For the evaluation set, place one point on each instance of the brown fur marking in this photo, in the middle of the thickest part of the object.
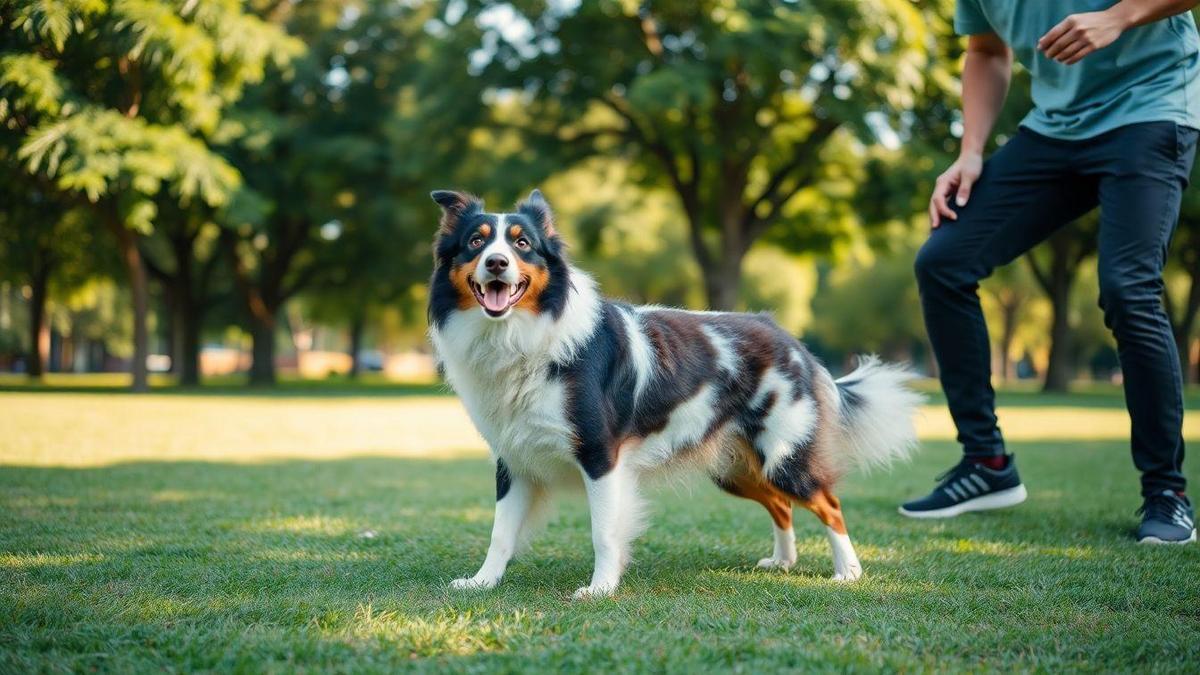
(539, 279)
(458, 277)
(827, 509)
(514, 231)
(746, 480)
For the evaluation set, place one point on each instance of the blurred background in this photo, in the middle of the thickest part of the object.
(211, 191)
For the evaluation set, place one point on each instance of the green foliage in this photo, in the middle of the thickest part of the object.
(29, 87)
(870, 308)
(730, 105)
(110, 99)
(101, 152)
(53, 21)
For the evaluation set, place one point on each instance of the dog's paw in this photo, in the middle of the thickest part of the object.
(847, 573)
(473, 583)
(776, 563)
(594, 591)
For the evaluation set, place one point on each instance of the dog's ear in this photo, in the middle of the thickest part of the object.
(454, 205)
(538, 211)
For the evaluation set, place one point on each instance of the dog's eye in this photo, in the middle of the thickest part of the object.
(476, 241)
(522, 243)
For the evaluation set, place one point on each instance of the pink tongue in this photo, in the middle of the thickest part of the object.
(495, 297)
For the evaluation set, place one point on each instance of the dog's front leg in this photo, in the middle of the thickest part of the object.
(612, 500)
(514, 502)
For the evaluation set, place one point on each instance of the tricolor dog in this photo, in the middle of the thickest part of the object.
(569, 388)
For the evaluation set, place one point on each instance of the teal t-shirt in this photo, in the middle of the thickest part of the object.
(1149, 74)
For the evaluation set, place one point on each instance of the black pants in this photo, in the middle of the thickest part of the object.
(1029, 189)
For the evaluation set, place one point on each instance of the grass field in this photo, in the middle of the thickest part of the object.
(317, 530)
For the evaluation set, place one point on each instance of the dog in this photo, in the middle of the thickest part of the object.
(568, 387)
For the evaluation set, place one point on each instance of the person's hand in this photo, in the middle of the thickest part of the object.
(1079, 35)
(957, 180)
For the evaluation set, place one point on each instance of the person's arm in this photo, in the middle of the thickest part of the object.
(986, 74)
(1081, 34)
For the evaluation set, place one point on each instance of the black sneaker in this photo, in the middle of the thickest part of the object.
(969, 487)
(1167, 518)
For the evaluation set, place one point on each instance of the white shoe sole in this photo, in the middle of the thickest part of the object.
(1156, 540)
(996, 500)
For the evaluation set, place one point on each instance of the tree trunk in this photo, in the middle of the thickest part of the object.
(357, 326)
(1060, 365)
(1182, 330)
(39, 335)
(723, 283)
(187, 321)
(262, 367)
(1007, 332)
(170, 327)
(138, 288)
(189, 315)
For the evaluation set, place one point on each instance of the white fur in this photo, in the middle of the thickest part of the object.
(845, 561)
(616, 510)
(513, 515)
(786, 424)
(784, 555)
(685, 428)
(881, 430)
(640, 351)
(499, 245)
(727, 357)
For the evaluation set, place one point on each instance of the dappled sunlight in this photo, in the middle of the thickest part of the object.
(444, 632)
(1007, 549)
(16, 561)
(179, 496)
(309, 524)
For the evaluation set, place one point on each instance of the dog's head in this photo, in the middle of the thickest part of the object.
(496, 263)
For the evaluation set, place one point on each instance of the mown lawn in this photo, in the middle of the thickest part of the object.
(308, 532)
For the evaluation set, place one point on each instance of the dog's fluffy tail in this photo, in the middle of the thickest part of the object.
(877, 405)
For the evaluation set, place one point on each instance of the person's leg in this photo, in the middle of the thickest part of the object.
(1143, 174)
(1026, 192)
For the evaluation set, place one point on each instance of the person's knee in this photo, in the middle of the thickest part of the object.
(937, 265)
(1127, 300)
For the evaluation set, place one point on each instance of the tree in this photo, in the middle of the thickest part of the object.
(183, 256)
(34, 240)
(730, 105)
(1055, 265)
(341, 154)
(1012, 291)
(112, 104)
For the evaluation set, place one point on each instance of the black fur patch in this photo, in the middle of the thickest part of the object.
(503, 479)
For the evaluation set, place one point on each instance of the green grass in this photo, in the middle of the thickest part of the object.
(258, 559)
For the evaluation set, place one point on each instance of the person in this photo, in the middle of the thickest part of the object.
(1116, 96)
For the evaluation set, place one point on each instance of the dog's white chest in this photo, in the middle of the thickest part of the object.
(517, 408)
(523, 420)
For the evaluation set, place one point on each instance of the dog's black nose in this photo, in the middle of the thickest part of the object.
(496, 263)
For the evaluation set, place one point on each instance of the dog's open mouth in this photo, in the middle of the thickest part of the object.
(496, 296)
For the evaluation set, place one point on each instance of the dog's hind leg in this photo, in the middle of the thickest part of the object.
(747, 482)
(516, 498)
(829, 511)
